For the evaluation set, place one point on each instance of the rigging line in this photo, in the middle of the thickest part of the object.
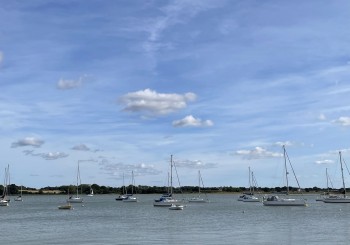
(346, 166)
(178, 180)
(291, 166)
(200, 176)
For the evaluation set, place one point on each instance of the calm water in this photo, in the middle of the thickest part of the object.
(102, 220)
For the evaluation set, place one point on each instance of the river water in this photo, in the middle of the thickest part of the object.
(102, 220)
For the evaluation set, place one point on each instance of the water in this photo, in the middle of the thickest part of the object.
(102, 220)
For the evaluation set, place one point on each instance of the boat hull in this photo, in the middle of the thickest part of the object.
(176, 207)
(337, 200)
(285, 202)
(4, 203)
(75, 200)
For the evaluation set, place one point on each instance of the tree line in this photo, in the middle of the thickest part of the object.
(142, 189)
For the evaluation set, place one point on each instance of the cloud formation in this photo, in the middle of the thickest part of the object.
(28, 141)
(324, 161)
(190, 121)
(344, 121)
(150, 102)
(48, 155)
(258, 153)
(63, 84)
(118, 169)
(197, 164)
(81, 147)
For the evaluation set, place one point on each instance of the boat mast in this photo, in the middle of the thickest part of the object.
(250, 182)
(285, 166)
(253, 182)
(199, 182)
(171, 174)
(78, 173)
(327, 181)
(132, 182)
(342, 174)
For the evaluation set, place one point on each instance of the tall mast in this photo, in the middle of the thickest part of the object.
(342, 174)
(171, 174)
(78, 173)
(199, 182)
(285, 166)
(327, 181)
(250, 182)
(132, 182)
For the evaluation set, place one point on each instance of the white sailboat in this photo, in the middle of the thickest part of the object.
(77, 198)
(122, 196)
(199, 199)
(335, 198)
(274, 200)
(166, 200)
(130, 197)
(19, 198)
(250, 197)
(5, 199)
(91, 194)
(325, 194)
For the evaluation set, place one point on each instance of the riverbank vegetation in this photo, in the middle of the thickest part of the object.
(85, 189)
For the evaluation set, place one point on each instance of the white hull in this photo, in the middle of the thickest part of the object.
(176, 207)
(285, 202)
(252, 200)
(4, 203)
(18, 199)
(337, 200)
(197, 200)
(75, 200)
(130, 199)
(121, 198)
(166, 203)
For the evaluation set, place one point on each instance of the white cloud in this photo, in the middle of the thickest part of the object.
(28, 141)
(48, 155)
(322, 117)
(198, 164)
(257, 153)
(324, 161)
(151, 102)
(344, 121)
(63, 84)
(190, 121)
(1, 57)
(118, 169)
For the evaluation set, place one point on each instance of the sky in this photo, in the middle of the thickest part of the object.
(120, 86)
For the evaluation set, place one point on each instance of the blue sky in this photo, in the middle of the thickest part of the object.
(119, 86)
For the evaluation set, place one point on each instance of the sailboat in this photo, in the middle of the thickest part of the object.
(274, 200)
(5, 199)
(199, 199)
(250, 197)
(166, 200)
(91, 194)
(338, 199)
(130, 197)
(122, 196)
(19, 198)
(325, 194)
(77, 198)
